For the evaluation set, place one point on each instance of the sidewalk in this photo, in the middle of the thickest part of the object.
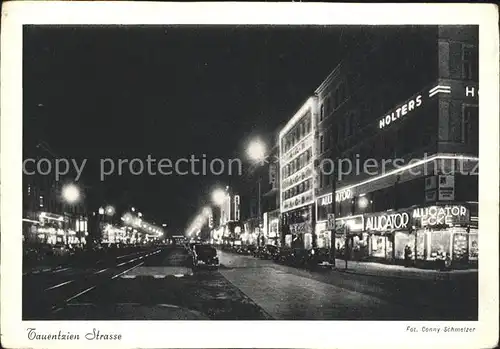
(398, 271)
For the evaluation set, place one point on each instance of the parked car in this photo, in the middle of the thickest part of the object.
(266, 252)
(247, 249)
(284, 255)
(61, 250)
(205, 255)
(318, 257)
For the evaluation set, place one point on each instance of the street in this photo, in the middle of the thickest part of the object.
(159, 283)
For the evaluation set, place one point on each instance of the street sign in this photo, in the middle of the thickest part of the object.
(330, 225)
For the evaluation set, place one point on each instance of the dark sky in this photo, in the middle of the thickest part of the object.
(125, 92)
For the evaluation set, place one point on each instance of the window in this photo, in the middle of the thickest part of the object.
(328, 106)
(470, 69)
(321, 180)
(328, 139)
(470, 125)
(321, 144)
(322, 112)
(328, 180)
(308, 125)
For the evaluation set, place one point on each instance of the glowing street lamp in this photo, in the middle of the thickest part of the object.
(71, 193)
(110, 210)
(218, 197)
(257, 150)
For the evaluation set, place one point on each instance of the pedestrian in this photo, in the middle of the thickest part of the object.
(447, 262)
(407, 256)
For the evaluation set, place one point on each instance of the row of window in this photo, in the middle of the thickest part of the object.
(332, 101)
(299, 131)
(297, 164)
(297, 177)
(298, 189)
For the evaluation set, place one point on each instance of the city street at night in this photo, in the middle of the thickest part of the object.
(161, 284)
(204, 175)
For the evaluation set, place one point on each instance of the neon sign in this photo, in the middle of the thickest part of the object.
(388, 221)
(400, 111)
(471, 91)
(339, 197)
(439, 215)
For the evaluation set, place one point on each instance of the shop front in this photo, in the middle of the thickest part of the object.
(271, 228)
(349, 232)
(297, 228)
(446, 231)
(231, 232)
(389, 235)
(428, 233)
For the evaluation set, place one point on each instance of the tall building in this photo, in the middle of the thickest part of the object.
(297, 182)
(398, 118)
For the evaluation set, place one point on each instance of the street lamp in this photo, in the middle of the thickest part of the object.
(71, 193)
(218, 197)
(257, 150)
(110, 210)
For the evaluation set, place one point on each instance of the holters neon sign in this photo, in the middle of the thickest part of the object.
(400, 111)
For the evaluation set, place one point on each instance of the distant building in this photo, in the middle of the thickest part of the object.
(47, 218)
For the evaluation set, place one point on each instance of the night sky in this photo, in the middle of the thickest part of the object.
(126, 92)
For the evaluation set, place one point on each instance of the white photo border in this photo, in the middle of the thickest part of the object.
(277, 334)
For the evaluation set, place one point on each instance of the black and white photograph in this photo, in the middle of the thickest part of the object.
(249, 172)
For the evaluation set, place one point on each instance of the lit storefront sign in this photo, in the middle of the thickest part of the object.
(236, 207)
(442, 87)
(300, 228)
(471, 91)
(339, 197)
(355, 223)
(386, 221)
(400, 111)
(441, 215)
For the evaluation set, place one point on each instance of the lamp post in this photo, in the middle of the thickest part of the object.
(71, 196)
(257, 152)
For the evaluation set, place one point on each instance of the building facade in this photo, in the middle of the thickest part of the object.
(227, 226)
(47, 218)
(398, 119)
(297, 177)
